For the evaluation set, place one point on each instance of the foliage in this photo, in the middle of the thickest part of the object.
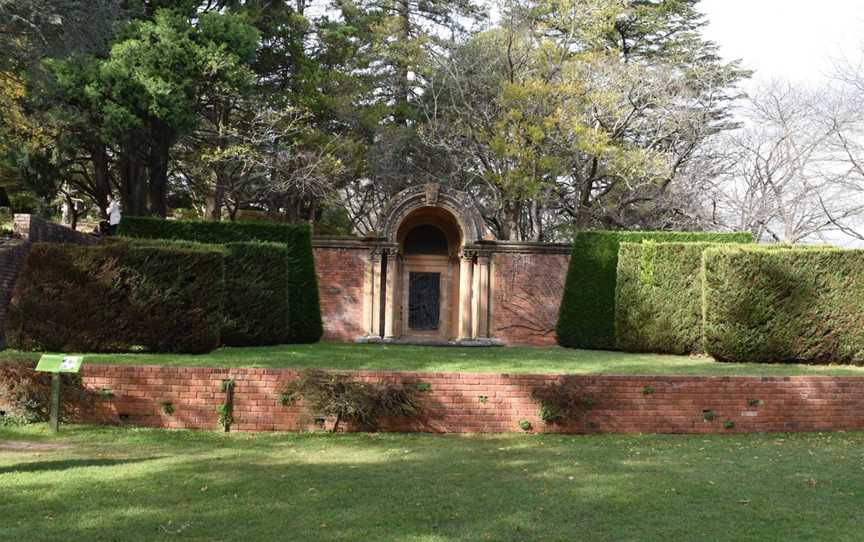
(25, 395)
(226, 409)
(304, 312)
(338, 396)
(256, 294)
(118, 297)
(587, 314)
(658, 297)
(784, 306)
(561, 401)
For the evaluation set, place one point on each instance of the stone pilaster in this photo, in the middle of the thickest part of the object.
(391, 294)
(466, 283)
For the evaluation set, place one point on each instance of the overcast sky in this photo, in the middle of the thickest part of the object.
(788, 39)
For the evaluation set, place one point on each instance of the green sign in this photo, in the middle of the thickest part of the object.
(59, 363)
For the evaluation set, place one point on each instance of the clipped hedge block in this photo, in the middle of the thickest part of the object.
(256, 294)
(199, 231)
(658, 298)
(784, 306)
(304, 310)
(118, 297)
(587, 314)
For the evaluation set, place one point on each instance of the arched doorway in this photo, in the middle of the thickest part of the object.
(429, 243)
(428, 275)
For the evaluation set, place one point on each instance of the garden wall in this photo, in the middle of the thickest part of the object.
(461, 402)
(39, 230)
(340, 263)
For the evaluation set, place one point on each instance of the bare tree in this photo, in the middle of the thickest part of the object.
(787, 174)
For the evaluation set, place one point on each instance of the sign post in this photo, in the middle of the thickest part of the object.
(56, 364)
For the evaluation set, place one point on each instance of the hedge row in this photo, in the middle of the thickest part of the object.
(658, 298)
(217, 233)
(118, 297)
(796, 305)
(587, 314)
(303, 306)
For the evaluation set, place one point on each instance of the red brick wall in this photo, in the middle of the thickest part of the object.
(13, 253)
(455, 401)
(340, 285)
(526, 294)
(39, 230)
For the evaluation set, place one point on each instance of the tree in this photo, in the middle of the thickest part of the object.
(790, 172)
(580, 112)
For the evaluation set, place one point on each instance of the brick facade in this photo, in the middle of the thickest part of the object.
(340, 265)
(460, 402)
(527, 286)
(39, 230)
(12, 256)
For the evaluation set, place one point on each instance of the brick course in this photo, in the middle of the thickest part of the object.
(340, 290)
(453, 403)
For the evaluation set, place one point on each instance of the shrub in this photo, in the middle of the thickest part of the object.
(217, 233)
(338, 396)
(797, 305)
(25, 395)
(658, 297)
(587, 314)
(118, 297)
(256, 294)
(561, 401)
(304, 311)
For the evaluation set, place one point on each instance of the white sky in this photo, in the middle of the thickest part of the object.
(786, 39)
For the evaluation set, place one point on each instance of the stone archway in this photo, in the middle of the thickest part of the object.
(429, 274)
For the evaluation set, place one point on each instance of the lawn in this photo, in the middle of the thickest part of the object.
(440, 359)
(146, 484)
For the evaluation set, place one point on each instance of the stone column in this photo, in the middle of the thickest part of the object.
(466, 267)
(481, 296)
(391, 294)
(377, 257)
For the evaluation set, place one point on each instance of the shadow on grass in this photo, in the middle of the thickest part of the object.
(428, 488)
(66, 464)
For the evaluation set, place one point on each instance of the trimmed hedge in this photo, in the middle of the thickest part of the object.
(796, 305)
(118, 297)
(304, 310)
(256, 294)
(658, 297)
(217, 233)
(586, 318)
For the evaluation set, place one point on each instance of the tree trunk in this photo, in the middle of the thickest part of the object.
(402, 85)
(157, 169)
(133, 186)
(102, 178)
(213, 203)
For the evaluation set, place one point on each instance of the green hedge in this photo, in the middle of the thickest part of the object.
(797, 305)
(117, 297)
(218, 233)
(256, 294)
(658, 297)
(304, 310)
(587, 315)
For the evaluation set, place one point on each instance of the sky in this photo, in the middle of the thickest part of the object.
(786, 39)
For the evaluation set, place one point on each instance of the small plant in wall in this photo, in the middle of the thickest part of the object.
(167, 408)
(340, 397)
(562, 400)
(105, 393)
(424, 386)
(647, 390)
(729, 424)
(754, 402)
(226, 409)
(525, 425)
(709, 415)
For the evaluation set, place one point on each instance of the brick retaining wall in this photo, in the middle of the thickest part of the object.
(39, 230)
(455, 401)
(12, 256)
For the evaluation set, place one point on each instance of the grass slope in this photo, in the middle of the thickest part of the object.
(442, 359)
(138, 484)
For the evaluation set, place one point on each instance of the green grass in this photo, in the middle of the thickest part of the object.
(140, 484)
(440, 359)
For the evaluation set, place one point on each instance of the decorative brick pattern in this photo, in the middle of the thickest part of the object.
(38, 230)
(455, 402)
(340, 272)
(526, 293)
